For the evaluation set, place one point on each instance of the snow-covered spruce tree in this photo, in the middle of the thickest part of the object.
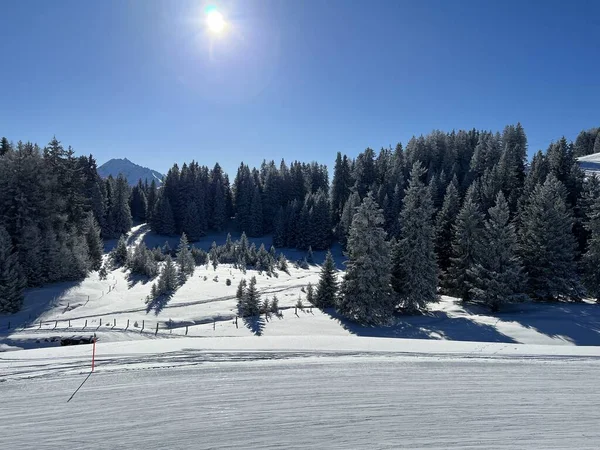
(591, 258)
(445, 221)
(12, 281)
(191, 222)
(279, 233)
(327, 287)
(163, 221)
(262, 259)
(94, 241)
(465, 238)
(121, 213)
(119, 254)
(185, 260)
(547, 244)
(251, 300)
(214, 255)
(265, 306)
(256, 214)
(414, 266)
(274, 308)
(365, 294)
(497, 276)
(347, 216)
(282, 264)
(239, 294)
(168, 282)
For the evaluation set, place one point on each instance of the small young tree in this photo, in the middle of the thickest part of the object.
(275, 305)
(265, 307)
(310, 294)
(282, 264)
(239, 294)
(214, 255)
(327, 287)
(251, 300)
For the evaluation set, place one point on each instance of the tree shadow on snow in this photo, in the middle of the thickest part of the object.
(157, 304)
(134, 279)
(256, 324)
(578, 323)
(432, 325)
(40, 300)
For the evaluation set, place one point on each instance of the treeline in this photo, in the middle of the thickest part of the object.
(51, 205)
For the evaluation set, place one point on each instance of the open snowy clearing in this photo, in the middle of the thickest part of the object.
(302, 392)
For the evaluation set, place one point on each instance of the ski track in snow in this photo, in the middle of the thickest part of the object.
(293, 400)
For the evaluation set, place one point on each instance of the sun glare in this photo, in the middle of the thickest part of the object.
(215, 21)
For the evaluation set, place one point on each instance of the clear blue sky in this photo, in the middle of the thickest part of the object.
(295, 79)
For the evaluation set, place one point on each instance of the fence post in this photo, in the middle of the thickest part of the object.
(186, 330)
(55, 325)
(69, 324)
(40, 325)
(143, 323)
(214, 324)
(100, 321)
(236, 325)
(85, 326)
(127, 327)
(115, 323)
(156, 332)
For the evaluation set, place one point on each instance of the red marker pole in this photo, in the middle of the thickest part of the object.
(93, 353)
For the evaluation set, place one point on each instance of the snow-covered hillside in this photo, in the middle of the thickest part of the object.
(455, 377)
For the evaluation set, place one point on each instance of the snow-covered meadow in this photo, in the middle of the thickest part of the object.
(455, 377)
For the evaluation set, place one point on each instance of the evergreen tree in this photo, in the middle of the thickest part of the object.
(466, 236)
(5, 146)
(327, 287)
(548, 244)
(239, 294)
(591, 258)
(168, 281)
(139, 203)
(279, 234)
(414, 271)
(185, 260)
(163, 221)
(12, 281)
(256, 215)
(347, 216)
(120, 212)
(119, 254)
(251, 300)
(446, 218)
(94, 242)
(341, 184)
(191, 222)
(274, 308)
(219, 212)
(365, 291)
(151, 198)
(214, 255)
(282, 263)
(497, 276)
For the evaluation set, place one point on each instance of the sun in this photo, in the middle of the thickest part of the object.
(215, 21)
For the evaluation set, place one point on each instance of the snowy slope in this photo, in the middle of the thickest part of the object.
(590, 163)
(130, 170)
(344, 393)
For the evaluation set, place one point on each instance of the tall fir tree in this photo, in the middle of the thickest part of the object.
(466, 236)
(414, 267)
(256, 215)
(120, 212)
(94, 241)
(185, 260)
(591, 259)
(365, 294)
(251, 300)
(497, 277)
(12, 281)
(548, 245)
(327, 288)
(445, 220)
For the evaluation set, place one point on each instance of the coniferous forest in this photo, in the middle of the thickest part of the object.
(461, 213)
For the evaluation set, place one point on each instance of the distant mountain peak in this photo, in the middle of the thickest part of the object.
(133, 172)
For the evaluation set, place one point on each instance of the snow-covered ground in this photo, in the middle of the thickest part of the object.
(456, 377)
(302, 392)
